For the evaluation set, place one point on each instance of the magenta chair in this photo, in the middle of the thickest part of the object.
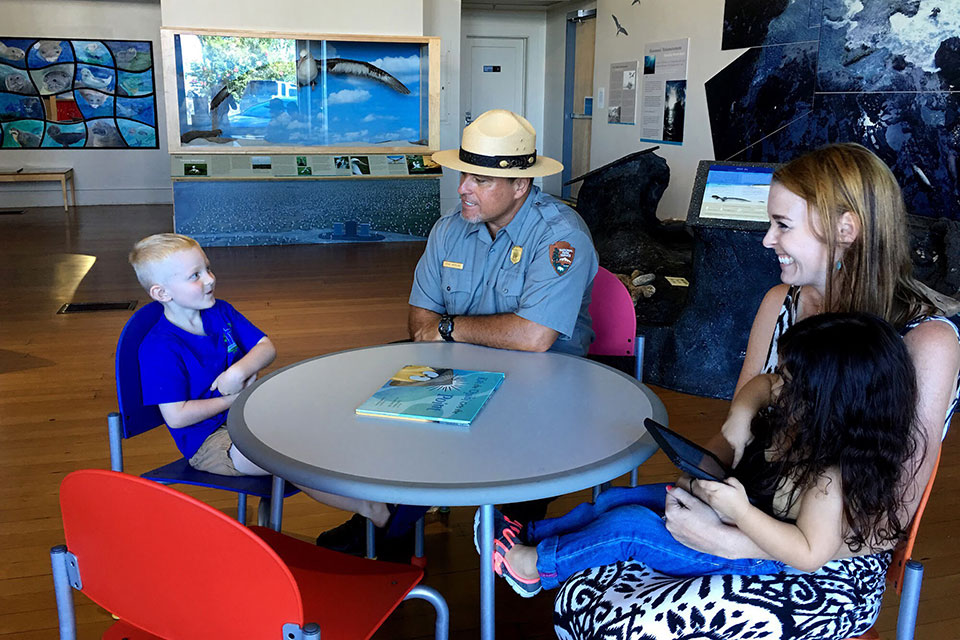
(135, 418)
(614, 320)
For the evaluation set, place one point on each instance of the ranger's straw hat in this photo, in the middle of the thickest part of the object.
(501, 144)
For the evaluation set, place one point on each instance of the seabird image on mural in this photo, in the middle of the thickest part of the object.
(307, 69)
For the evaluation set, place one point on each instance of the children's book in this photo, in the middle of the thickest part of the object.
(429, 394)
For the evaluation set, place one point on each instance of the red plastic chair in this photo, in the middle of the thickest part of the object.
(170, 566)
(906, 574)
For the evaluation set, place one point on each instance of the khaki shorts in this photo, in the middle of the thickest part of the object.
(213, 456)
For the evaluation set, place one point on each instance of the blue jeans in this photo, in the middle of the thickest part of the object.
(625, 523)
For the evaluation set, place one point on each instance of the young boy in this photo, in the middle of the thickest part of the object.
(199, 356)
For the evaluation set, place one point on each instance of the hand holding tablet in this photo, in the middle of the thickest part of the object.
(688, 456)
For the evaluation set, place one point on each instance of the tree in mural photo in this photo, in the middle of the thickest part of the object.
(230, 63)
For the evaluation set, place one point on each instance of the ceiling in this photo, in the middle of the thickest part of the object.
(513, 5)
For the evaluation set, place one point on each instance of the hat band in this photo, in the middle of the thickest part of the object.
(499, 162)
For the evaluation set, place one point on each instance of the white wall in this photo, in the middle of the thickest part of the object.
(442, 18)
(649, 22)
(379, 17)
(531, 25)
(103, 176)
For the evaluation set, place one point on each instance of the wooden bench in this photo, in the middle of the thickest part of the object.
(43, 174)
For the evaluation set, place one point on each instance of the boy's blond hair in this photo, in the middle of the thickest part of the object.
(152, 250)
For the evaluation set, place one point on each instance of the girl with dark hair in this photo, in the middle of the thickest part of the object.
(822, 449)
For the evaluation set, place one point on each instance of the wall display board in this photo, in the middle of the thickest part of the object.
(244, 92)
(64, 94)
(664, 102)
(303, 167)
(883, 73)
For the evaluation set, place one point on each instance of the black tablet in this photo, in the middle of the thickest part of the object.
(689, 457)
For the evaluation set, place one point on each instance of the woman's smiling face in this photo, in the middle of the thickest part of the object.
(793, 235)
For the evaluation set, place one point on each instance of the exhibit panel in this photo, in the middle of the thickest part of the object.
(281, 138)
(70, 93)
(235, 92)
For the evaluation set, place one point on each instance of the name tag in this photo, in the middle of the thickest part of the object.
(452, 265)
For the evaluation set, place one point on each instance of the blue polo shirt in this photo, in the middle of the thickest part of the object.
(540, 267)
(177, 365)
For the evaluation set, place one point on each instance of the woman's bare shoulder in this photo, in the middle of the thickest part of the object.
(935, 338)
(772, 303)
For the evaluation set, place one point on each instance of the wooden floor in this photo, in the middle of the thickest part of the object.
(56, 387)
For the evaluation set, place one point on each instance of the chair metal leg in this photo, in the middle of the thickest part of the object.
(115, 432)
(439, 604)
(633, 478)
(487, 603)
(638, 351)
(600, 488)
(263, 512)
(242, 508)
(63, 592)
(276, 502)
(418, 538)
(371, 539)
(909, 600)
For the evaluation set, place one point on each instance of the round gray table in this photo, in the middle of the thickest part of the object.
(557, 424)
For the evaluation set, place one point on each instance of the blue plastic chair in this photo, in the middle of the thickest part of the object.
(135, 418)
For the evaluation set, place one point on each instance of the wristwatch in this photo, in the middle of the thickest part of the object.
(446, 327)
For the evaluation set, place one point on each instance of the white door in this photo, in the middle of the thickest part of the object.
(495, 70)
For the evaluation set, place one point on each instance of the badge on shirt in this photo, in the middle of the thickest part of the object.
(452, 265)
(561, 257)
(515, 254)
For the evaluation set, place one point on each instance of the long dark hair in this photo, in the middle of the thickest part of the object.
(848, 401)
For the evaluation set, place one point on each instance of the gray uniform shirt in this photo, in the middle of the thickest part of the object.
(540, 267)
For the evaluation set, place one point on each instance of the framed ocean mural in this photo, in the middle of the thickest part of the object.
(71, 94)
(244, 92)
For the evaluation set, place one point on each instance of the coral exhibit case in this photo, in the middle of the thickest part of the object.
(248, 92)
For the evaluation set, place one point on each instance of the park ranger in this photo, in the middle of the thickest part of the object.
(510, 266)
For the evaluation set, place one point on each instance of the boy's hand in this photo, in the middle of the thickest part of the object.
(229, 382)
(728, 498)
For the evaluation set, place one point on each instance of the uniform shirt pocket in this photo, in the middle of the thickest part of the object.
(457, 287)
(508, 290)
